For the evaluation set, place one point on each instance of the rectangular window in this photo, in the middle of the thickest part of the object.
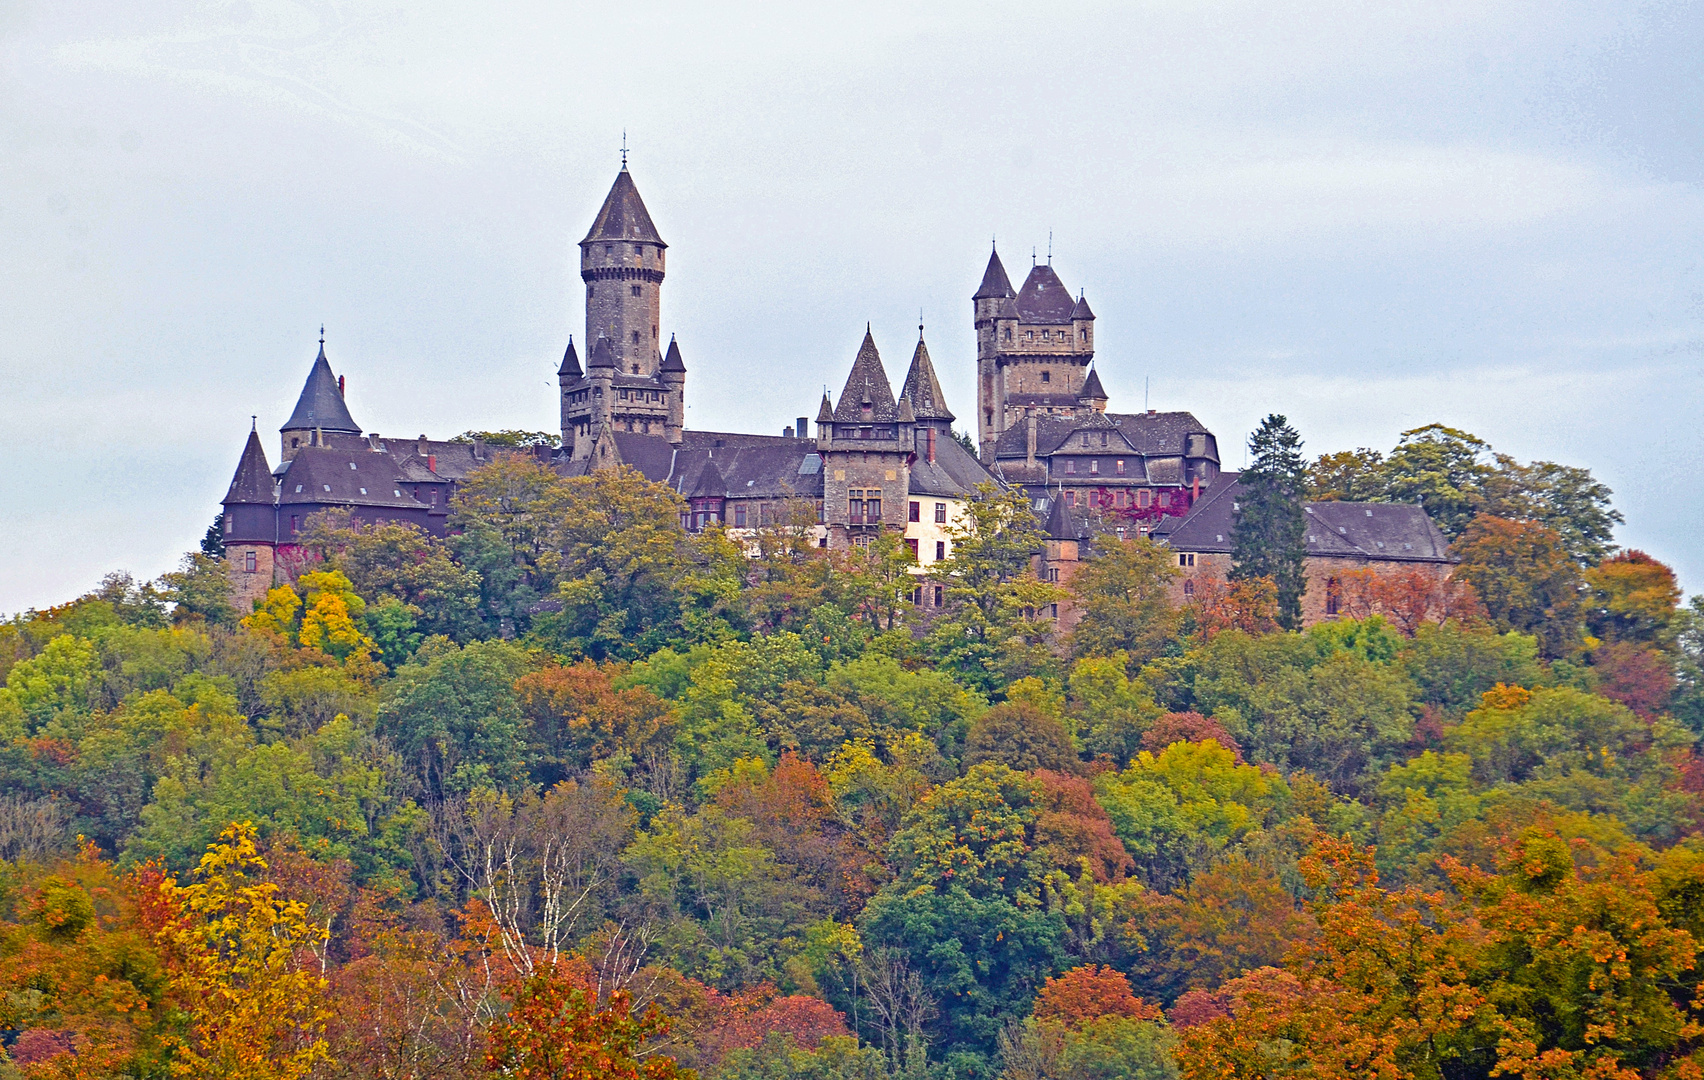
(912, 546)
(873, 508)
(916, 512)
(940, 595)
(940, 550)
(1047, 376)
(917, 596)
(250, 563)
(1094, 468)
(1121, 468)
(1071, 466)
(940, 513)
(1333, 596)
(740, 516)
(1142, 498)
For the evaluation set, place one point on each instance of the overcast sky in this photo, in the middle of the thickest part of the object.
(1365, 216)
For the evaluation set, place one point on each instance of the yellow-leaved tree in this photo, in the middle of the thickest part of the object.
(247, 969)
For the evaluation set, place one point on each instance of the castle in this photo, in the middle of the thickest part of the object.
(878, 460)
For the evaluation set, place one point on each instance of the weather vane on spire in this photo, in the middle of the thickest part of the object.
(322, 333)
(624, 148)
(919, 324)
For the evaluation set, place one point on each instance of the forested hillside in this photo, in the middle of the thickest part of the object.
(574, 793)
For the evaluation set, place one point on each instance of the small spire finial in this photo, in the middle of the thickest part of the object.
(1032, 254)
(322, 333)
(919, 324)
(994, 241)
(624, 148)
(1050, 247)
(252, 420)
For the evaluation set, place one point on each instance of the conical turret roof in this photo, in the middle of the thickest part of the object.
(253, 480)
(321, 404)
(1091, 390)
(570, 362)
(867, 384)
(602, 354)
(1044, 298)
(672, 361)
(623, 216)
(1081, 311)
(825, 413)
(995, 283)
(923, 389)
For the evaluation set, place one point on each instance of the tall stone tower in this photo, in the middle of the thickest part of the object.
(629, 383)
(867, 442)
(621, 262)
(1033, 350)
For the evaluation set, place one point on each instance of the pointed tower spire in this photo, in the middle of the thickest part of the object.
(321, 403)
(570, 368)
(673, 362)
(866, 384)
(922, 388)
(995, 284)
(252, 483)
(623, 215)
(1091, 394)
(602, 356)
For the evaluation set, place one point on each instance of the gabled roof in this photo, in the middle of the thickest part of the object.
(923, 389)
(954, 473)
(570, 362)
(253, 480)
(1081, 311)
(1395, 532)
(343, 477)
(602, 355)
(1091, 390)
(1153, 434)
(673, 362)
(866, 384)
(321, 404)
(1044, 298)
(623, 216)
(995, 283)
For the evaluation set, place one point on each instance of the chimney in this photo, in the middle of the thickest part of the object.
(479, 448)
(1151, 412)
(803, 427)
(432, 462)
(931, 446)
(1029, 437)
(420, 446)
(786, 433)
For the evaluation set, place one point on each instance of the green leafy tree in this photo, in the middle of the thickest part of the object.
(512, 437)
(997, 625)
(213, 541)
(1270, 539)
(1021, 736)
(1563, 498)
(1121, 595)
(454, 717)
(200, 588)
(1347, 476)
(1442, 469)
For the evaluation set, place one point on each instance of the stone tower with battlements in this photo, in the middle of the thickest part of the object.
(630, 382)
(1033, 351)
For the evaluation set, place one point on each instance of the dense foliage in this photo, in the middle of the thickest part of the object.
(575, 793)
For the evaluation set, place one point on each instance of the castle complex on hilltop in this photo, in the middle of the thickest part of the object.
(877, 462)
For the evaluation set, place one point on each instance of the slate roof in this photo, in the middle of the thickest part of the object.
(253, 480)
(922, 389)
(1396, 532)
(1150, 434)
(570, 362)
(955, 471)
(623, 216)
(673, 362)
(328, 474)
(1044, 298)
(1092, 390)
(321, 403)
(867, 382)
(602, 354)
(1081, 311)
(995, 283)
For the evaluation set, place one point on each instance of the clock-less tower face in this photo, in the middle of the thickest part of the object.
(622, 264)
